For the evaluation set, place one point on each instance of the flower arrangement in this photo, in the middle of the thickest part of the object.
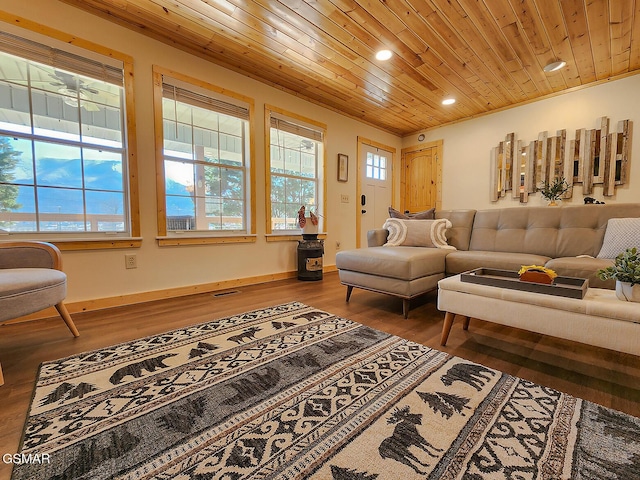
(625, 268)
(553, 191)
(537, 274)
(308, 225)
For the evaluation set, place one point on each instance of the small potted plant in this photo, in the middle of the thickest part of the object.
(626, 272)
(553, 191)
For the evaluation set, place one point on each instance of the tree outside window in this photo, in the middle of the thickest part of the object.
(8, 192)
(205, 160)
(296, 170)
(63, 155)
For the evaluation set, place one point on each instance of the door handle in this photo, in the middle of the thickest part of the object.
(363, 200)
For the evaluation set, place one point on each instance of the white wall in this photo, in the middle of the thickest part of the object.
(101, 274)
(468, 144)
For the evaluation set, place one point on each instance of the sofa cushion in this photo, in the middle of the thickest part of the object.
(405, 263)
(463, 261)
(582, 267)
(25, 290)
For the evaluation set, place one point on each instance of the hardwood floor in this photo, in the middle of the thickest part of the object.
(609, 378)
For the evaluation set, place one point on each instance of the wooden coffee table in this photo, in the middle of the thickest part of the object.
(598, 319)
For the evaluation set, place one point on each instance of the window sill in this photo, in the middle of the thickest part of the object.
(289, 237)
(97, 244)
(176, 241)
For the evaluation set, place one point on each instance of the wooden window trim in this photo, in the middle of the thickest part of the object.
(132, 240)
(294, 235)
(205, 238)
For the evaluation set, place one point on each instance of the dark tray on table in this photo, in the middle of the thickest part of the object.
(570, 287)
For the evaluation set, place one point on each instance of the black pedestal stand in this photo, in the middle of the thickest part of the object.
(310, 251)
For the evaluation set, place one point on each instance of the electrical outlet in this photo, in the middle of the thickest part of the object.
(130, 261)
(344, 198)
(337, 245)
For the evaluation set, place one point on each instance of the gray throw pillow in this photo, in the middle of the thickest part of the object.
(424, 215)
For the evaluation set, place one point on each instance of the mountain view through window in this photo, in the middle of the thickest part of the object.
(62, 152)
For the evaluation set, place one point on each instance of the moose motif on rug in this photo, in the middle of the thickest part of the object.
(406, 435)
(246, 334)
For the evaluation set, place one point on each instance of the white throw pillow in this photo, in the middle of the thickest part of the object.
(397, 232)
(417, 233)
(621, 233)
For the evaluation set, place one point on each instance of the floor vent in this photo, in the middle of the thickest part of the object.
(224, 294)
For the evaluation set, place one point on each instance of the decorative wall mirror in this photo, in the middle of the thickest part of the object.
(593, 157)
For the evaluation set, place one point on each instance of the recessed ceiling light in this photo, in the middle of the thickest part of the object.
(553, 66)
(449, 101)
(384, 55)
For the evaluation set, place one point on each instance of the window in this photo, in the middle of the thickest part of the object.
(205, 160)
(376, 166)
(296, 170)
(63, 150)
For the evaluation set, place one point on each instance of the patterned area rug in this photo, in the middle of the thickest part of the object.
(293, 392)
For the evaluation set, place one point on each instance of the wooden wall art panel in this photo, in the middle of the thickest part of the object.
(593, 157)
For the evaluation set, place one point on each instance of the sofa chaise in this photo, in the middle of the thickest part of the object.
(567, 239)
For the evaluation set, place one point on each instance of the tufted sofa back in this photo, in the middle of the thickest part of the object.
(554, 232)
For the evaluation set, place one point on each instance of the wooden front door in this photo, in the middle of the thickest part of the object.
(421, 178)
(376, 189)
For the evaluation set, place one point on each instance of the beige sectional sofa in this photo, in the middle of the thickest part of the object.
(566, 239)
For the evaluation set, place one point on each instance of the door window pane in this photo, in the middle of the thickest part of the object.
(376, 167)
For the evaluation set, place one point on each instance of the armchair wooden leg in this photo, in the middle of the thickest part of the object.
(64, 313)
(446, 327)
(465, 325)
(349, 290)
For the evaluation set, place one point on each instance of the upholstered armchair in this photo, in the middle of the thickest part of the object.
(31, 279)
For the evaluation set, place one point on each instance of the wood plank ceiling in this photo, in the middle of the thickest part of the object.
(487, 54)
